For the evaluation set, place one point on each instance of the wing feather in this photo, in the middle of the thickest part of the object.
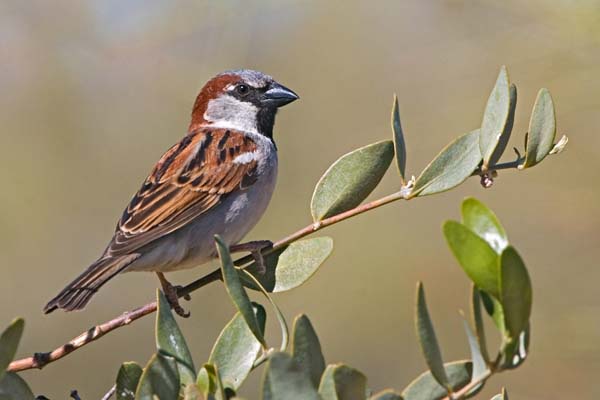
(191, 178)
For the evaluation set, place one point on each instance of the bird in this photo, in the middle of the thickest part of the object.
(217, 180)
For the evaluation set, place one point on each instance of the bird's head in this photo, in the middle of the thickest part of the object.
(244, 100)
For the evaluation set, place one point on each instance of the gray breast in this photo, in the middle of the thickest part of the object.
(232, 218)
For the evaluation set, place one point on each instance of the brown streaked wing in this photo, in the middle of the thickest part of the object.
(190, 179)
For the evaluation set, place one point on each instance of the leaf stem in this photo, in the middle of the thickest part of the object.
(497, 167)
(460, 394)
(110, 393)
(493, 368)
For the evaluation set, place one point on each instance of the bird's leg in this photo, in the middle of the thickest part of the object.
(171, 294)
(255, 248)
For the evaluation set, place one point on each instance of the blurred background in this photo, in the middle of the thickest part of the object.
(92, 93)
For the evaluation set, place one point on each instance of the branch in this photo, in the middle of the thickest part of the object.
(462, 393)
(110, 393)
(39, 360)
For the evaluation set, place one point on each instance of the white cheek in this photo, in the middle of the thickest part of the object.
(230, 113)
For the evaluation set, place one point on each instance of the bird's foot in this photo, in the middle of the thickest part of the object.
(255, 248)
(172, 297)
(186, 296)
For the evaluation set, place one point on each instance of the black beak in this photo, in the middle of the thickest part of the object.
(278, 95)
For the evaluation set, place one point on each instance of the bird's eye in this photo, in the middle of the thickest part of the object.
(242, 90)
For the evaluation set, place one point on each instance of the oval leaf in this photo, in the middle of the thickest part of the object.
(516, 293)
(236, 291)
(209, 382)
(425, 387)
(479, 364)
(284, 379)
(306, 349)
(160, 378)
(291, 266)
(542, 129)
(514, 352)
(170, 340)
(494, 309)
(351, 179)
(9, 341)
(505, 136)
(399, 145)
(127, 380)
(236, 349)
(495, 117)
(427, 339)
(482, 221)
(341, 382)
(455, 163)
(475, 256)
(477, 321)
(13, 387)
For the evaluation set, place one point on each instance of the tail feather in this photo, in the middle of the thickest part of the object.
(79, 292)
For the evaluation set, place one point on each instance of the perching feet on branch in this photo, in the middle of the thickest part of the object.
(255, 248)
(171, 295)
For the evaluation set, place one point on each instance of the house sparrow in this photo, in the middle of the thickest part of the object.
(217, 180)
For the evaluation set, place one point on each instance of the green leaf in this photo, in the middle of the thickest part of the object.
(482, 221)
(306, 349)
(516, 293)
(495, 117)
(127, 380)
(170, 340)
(349, 180)
(542, 129)
(479, 365)
(387, 394)
(236, 349)
(452, 166)
(505, 136)
(475, 256)
(494, 309)
(291, 266)
(284, 379)
(341, 382)
(13, 387)
(210, 384)
(9, 341)
(160, 378)
(399, 144)
(236, 291)
(280, 318)
(515, 351)
(477, 321)
(427, 340)
(425, 387)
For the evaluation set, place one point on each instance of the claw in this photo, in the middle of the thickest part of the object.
(172, 297)
(261, 268)
(185, 296)
(255, 248)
